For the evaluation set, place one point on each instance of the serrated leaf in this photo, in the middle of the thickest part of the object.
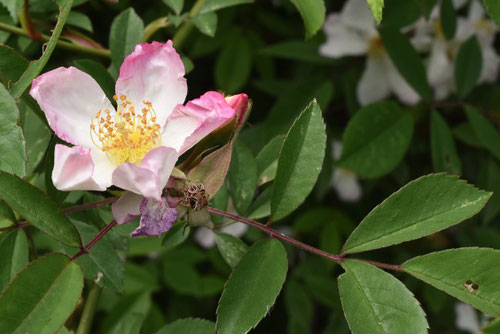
(189, 325)
(12, 142)
(267, 160)
(35, 67)
(176, 235)
(468, 66)
(13, 255)
(14, 7)
(376, 139)
(376, 6)
(175, 5)
(252, 287)
(214, 5)
(493, 9)
(407, 60)
(136, 303)
(487, 134)
(469, 274)
(38, 209)
(443, 151)
(448, 18)
(242, 177)
(79, 20)
(313, 14)
(376, 302)
(231, 248)
(54, 284)
(300, 162)
(127, 30)
(422, 207)
(206, 23)
(233, 65)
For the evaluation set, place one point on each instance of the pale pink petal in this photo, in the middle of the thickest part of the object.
(342, 40)
(189, 124)
(153, 72)
(374, 84)
(151, 177)
(156, 218)
(240, 104)
(74, 170)
(127, 207)
(69, 98)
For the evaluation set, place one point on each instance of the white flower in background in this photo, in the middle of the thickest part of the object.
(466, 318)
(205, 237)
(353, 33)
(345, 182)
(429, 36)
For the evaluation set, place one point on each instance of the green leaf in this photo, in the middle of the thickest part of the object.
(252, 287)
(233, 65)
(299, 308)
(13, 255)
(189, 325)
(313, 14)
(127, 31)
(469, 274)
(12, 64)
(492, 328)
(54, 284)
(376, 7)
(176, 235)
(214, 5)
(426, 6)
(242, 177)
(36, 66)
(175, 5)
(137, 303)
(6, 212)
(37, 134)
(267, 160)
(131, 324)
(300, 162)
(102, 262)
(231, 248)
(485, 131)
(444, 153)
(296, 50)
(188, 64)
(14, 7)
(12, 142)
(261, 207)
(448, 18)
(79, 20)
(38, 209)
(212, 170)
(424, 206)
(400, 14)
(407, 60)
(468, 66)
(493, 9)
(206, 23)
(376, 302)
(376, 139)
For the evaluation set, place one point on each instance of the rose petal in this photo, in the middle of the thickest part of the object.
(153, 72)
(151, 177)
(188, 124)
(127, 207)
(240, 105)
(69, 98)
(74, 170)
(156, 218)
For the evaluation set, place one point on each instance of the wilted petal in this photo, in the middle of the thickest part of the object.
(156, 218)
(151, 177)
(69, 98)
(374, 84)
(189, 124)
(153, 72)
(127, 207)
(342, 40)
(346, 185)
(75, 170)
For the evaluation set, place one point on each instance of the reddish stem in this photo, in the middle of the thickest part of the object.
(85, 249)
(296, 243)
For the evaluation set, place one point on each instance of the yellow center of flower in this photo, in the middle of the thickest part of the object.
(127, 135)
(376, 46)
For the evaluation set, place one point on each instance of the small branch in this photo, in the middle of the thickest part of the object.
(103, 53)
(89, 310)
(76, 208)
(186, 28)
(85, 249)
(296, 243)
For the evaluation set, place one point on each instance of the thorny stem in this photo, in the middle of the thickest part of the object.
(336, 258)
(103, 53)
(76, 208)
(89, 310)
(85, 249)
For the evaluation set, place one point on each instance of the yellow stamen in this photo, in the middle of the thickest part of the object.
(126, 136)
